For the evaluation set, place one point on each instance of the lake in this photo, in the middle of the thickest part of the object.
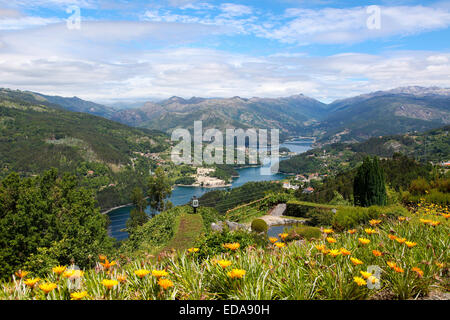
(182, 195)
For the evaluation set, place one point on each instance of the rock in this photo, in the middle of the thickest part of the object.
(217, 226)
(233, 226)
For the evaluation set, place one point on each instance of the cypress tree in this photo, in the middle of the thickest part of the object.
(369, 184)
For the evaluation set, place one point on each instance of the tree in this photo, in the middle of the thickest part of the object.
(52, 212)
(137, 215)
(159, 189)
(369, 186)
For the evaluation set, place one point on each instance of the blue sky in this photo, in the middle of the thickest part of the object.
(146, 50)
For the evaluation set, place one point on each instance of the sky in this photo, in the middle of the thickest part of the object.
(130, 51)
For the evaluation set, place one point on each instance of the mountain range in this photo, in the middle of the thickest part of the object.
(396, 111)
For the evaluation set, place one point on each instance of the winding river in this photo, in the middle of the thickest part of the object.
(182, 195)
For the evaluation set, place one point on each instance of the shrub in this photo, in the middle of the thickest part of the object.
(259, 225)
(300, 208)
(304, 232)
(320, 217)
(419, 186)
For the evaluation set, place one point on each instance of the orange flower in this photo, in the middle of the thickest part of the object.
(352, 231)
(376, 253)
(236, 273)
(122, 278)
(435, 223)
(374, 222)
(440, 265)
(21, 274)
(344, 251)
(273, 240)
(410, 244)
(327, 231)
(232, 246)
(401, 219)
(398, 269)
(224, 263)
(101, 257)
(418, 271)
(31, 282)
(400, 240)
(331, 240)
(159, 273)
(392, 237)
(165, 283)
(47, 287)
(283, 236)
(107, 265)
(363, 240)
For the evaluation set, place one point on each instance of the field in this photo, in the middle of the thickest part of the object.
(393, 257)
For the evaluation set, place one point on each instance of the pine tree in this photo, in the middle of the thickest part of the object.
(137, 215)
(369, 184)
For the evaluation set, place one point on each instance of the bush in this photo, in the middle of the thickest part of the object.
(300, 209)
(259, 225)
(304, 232)
(320, 217)
(419, 186)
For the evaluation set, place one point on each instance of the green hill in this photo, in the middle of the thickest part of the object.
(36, 135)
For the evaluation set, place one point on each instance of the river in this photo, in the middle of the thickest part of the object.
(182, 195)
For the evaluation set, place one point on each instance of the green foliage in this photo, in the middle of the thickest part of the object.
(304, 232)
(319, 217)
(259, 225)
(209, 215)
(350, 217)
(185, 180)
(159, 189)
(369, 185)
(223, 200)
(137, 215)
(212, 243)
(295, 208)
(38, 212)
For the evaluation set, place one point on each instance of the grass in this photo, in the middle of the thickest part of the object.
(188, 227)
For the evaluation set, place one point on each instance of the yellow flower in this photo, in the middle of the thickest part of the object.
(352, 231)
(159, 273)
(356, 261)
(47, 287)
(109, 283)
(78, 295)
(363, 240)
(236, 273)
(165, 283)
(279, 244)
(224, 263)
(327, 231)
(31, 282)
(359, 281)
(344, 251)
(141, 273)
(418, 271)
(410, 244)
(435, 223)
(331, 240)
(370, 231)
(73, 274)
(374, 222)
(232, 246)
(426, 221)
(365, 274)
(401, 219)
(193, 250)
(21, 274)
(320, 247)
(376, 253)
(58, 269)
(440, 265)
(273, 240)
(334, 252)
(102, 257)
(391, 264)
(400, 240)
(283, 236)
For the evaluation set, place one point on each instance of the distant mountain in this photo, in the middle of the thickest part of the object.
(385, 113)
(432, 145)
(72, 104)
(290, 114)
